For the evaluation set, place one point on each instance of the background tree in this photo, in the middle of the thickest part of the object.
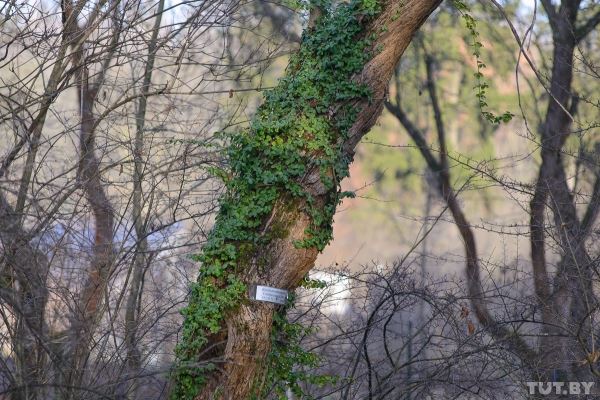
(562, 319)
(108, 112)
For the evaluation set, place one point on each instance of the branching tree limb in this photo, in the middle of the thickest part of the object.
(440, 167)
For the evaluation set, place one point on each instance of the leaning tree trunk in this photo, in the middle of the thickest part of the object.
(283, 189)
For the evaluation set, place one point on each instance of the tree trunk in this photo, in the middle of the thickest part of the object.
(297, 223)
(441, 168)
(89, 304)
(568, 303)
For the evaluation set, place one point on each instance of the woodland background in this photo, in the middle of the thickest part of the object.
(114, 117)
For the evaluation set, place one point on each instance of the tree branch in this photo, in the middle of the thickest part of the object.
(511, 338)
(551, 12)
(416, 135)
(592, 211)
(582, 31)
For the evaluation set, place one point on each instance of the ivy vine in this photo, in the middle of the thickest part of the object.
(481, 86)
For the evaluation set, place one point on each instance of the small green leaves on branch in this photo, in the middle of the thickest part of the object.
(481, 87)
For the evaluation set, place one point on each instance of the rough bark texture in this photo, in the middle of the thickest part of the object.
(249, 326)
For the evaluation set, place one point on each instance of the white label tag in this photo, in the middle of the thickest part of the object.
(271, 294)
